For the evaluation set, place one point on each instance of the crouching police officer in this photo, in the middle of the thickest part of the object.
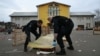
(32, 27)
(62, 27)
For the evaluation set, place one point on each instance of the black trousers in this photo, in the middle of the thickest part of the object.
(65, 31)
(28, 38)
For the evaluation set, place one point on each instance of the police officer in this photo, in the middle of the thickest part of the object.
(62, 27)
(32, 27)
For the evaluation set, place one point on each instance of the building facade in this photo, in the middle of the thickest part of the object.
(83, 20)
(22, 18)
(52, 9)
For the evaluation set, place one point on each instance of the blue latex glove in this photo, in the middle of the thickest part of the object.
(54, 43)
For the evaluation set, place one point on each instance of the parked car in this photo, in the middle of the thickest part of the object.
(2, 29)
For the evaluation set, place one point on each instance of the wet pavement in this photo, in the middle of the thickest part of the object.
(85, 44)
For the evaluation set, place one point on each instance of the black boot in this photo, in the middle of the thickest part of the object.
(25, 50)
(70, 47)
(62, 52)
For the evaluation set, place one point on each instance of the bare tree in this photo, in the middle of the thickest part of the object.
(97, 17)
(97, 13)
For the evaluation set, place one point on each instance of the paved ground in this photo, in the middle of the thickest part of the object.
(85, 43)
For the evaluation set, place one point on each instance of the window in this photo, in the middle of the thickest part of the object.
(88, 18)
(79, 18)
(53, 9)
(17, 18)
(25, 18)
(88, 25)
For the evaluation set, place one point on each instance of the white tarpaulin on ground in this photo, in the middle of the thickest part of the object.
(42, 42)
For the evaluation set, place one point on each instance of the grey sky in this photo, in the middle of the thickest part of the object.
(9, 6)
